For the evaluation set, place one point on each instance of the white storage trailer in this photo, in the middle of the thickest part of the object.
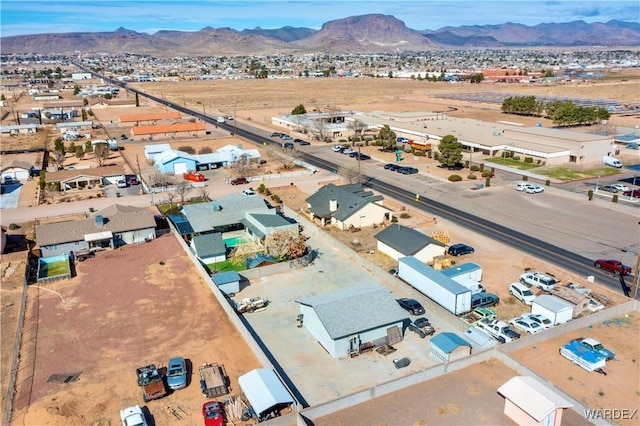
(449, 294)
(552, 307)
(468, 274)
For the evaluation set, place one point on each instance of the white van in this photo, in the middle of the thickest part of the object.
(611, 161)
(220, 120)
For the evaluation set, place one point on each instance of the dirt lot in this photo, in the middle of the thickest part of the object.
(126, 308)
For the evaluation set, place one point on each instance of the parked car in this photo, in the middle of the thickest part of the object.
(8, 180)
(121, 183)
(635, 193)
(459, 250)
(402, 140)
(301, 142)
(479, 300)
(339, 148)
(212, 414)
(521, 186)
(620, 187)
(123, 137)
(391, 166)
(499, 330)
(407, 170)
(361, 157)
(534, 189)
(238, 181)
(133, 416)
(526, 324)
(132, 180)
(612, 265)
(538, 279)
(176, 373)
(411, 305)
(608, 188)
(348, 151)
(286, 137)
(248, 192)
(522, 293)
(595, 346)
(287, 145)
(275, 134)
(540, 319)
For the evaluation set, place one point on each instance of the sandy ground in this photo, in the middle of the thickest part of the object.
(103, 307)
(124, 310)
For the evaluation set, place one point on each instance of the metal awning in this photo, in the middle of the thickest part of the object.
(264, 391)
(98, 236)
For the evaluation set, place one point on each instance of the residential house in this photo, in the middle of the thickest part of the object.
(397, 241)
(20, 129)
(111, 227)
(347, 206)
(346, 320)
(447, 347)
(86, 178)
(529, 402)
(17, 170)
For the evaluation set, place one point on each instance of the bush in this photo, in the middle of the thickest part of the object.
(205, 150)
(590, 194)
(475, 168)
(482, 167)
(267, 192)
(487, 174)
(342, 140)
(261, 189)
(276, 198)
(379, 143)
(516, 157)
(436, 156)
(528, 160)
(13, 226)
(472, 176)
(525, 178)
(404, 215)
(368, 139)
(188, 149)
(454, 178)
(418, 153)
(394, 219)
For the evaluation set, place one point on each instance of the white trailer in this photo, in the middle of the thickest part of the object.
(449, 294)
(557, 310)
(468, 274)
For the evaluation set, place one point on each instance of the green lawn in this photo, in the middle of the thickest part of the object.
(566, 174)
(55, 269)
(516, 164)
(225, 266)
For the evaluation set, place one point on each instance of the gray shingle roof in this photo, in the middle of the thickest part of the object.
(105, 171)
(353, 310)
(119, 218)
(350, 198)
(270, 220)
(208, 245)
(405, 240)
(205, 217)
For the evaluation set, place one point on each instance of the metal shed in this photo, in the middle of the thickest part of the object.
(265, 392)
(227, 282)
(552, 307)
(447, 347)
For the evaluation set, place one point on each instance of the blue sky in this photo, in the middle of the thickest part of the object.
(58, 16)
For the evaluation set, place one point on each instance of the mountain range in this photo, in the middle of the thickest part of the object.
(374, 33)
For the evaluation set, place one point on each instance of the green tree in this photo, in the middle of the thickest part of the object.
(388, 137)
(72, 146)
(76, 90)
(79, 150)
(101, 153)
(450, 150)
(58, 145)
(298, 110)
(477, 78)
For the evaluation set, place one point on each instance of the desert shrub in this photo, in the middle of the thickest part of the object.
(205, 150)
(404, 215)
(472, 176)
(418, 153)
(525, 178)
(267, 191)
(487, 173)
(529, 160)
(482, 167)
(394, 219)
(188, 149)
(368, 139)
(454, 178)
(436, 155)
(378, 143)
(13, 226)
(276, 198)
(516, 157)
(261, 189)
(408, 149)
(475, 168)
(342, 140)
(466, 164)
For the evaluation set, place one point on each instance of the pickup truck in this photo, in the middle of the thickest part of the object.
(479, 314)
(538, 279)
(499, 330)
(194, 176)
(594, 345)
(580, 354)
(152, 382)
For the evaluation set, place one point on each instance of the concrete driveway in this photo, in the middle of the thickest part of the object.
(10, 195)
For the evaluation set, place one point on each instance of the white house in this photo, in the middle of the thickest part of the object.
(529, 402)
(344, 320)
(398, 241)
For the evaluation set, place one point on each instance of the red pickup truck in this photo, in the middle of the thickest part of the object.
(612, 265)
(194, 176)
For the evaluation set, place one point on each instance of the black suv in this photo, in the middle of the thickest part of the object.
(459, 250)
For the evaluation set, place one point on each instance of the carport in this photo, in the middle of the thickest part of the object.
(265, 392)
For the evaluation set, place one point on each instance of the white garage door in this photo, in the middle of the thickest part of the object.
(179, 168)
(22, 175)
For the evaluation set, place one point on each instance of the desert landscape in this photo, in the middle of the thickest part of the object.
(171, 307)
